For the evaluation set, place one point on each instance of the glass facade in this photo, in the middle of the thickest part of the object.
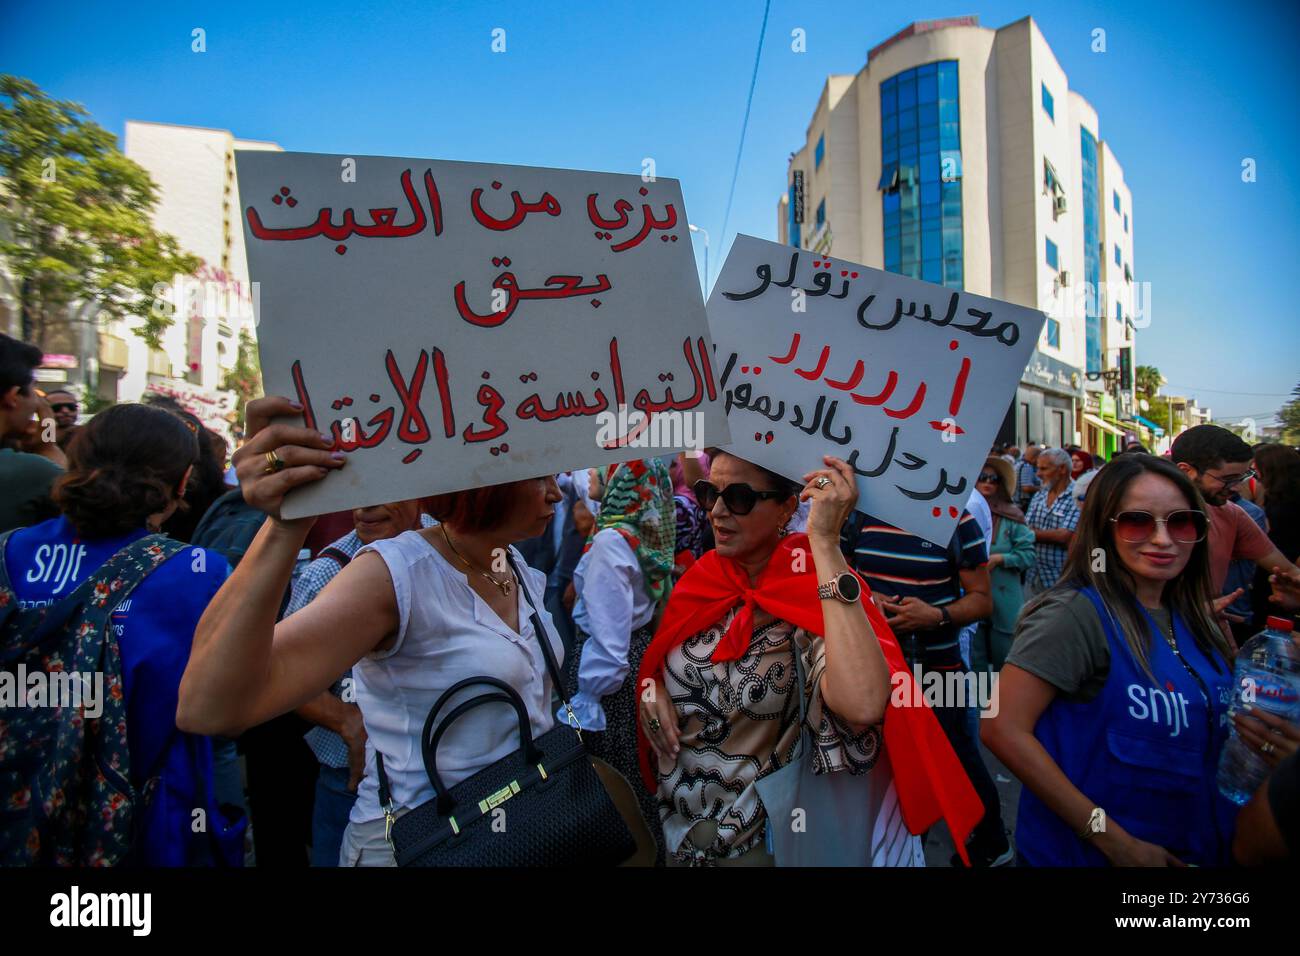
(920, 181)
(819, 152)
(1051, 256)
(1092, 251)
(821, 213)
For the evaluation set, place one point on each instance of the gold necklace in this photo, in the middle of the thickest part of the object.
(506, 586)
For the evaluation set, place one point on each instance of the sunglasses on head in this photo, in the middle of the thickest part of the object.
(1185, 527)
(739, 498)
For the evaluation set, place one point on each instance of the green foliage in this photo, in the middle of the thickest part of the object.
(1146, 380)
(1289, 416)
(75, 217)
(245, 377)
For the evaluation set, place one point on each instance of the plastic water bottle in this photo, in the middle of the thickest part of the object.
(1267, 678)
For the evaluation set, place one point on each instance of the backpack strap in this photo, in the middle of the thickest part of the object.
(337, 555)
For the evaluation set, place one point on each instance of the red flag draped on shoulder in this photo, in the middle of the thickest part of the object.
(929, 778)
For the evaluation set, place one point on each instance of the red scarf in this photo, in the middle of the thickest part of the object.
(929, 778)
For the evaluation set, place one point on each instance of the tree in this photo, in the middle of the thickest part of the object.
(1147, 380)
(245, 377)
(75, 217)
(1289, 417)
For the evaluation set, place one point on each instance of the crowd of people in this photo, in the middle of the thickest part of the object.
(711, 616)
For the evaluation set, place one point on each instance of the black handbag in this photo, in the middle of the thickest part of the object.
(556, 811)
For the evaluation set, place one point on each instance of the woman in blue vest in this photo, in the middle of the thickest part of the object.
(1113, 700)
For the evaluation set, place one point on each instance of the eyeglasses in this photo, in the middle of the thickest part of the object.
(987, 476)
(739, 498)
(1231, 480)
(1185, 527)
(64, 407)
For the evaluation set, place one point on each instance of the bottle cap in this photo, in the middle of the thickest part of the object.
(1280, 624)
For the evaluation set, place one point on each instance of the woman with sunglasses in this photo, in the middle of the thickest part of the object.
(621, 582)
(1011, 555)
(1114, 696)
(717, 701)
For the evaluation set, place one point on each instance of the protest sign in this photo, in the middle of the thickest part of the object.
(906, 380)
(455, 325)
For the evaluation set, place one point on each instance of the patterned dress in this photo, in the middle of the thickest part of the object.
(740, 722)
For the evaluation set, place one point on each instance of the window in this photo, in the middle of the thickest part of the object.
(1119, 256)
(1093, 249)
(1115, 197)
(1126, 222)
(1053, 333)
(1049, 104)
(1051, 256)
(1119, 313)
(920, 173)
(821, 213)
(819, 152)
(888, 178)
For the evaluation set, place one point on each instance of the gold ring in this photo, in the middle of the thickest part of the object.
(654, 724)
(1266, 747)
(823, 481)
(274, 463)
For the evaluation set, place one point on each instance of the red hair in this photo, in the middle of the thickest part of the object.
(475, 509)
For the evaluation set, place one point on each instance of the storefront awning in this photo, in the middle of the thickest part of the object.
(1156, 429)
(1103, 425)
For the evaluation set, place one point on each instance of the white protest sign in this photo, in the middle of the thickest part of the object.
(906, 380)
(455, 325)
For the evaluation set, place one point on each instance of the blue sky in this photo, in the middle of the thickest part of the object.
(1184, 92)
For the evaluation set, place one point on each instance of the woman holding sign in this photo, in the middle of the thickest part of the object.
(411, 615)
(721, 690)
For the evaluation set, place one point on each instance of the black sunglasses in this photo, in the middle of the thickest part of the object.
(1185, 527)
(988, 476)
(64, 407)
(739, 498)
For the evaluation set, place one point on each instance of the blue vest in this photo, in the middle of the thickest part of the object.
(1145, 753)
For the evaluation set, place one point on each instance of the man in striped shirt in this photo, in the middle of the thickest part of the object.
(928, 592)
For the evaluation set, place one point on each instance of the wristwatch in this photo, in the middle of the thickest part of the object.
(1096, 824)
(844, 587)
(946, 617)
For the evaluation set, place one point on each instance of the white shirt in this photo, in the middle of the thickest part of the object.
(979, 510)
(446, 634)
(611, 575)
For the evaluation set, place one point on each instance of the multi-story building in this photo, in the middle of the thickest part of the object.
(960, 155)
(199, 204)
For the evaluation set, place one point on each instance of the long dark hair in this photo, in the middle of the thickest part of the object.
(1189, 594)
(1279, 472)
(124, 465)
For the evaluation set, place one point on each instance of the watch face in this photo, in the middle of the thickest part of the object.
(849, 586)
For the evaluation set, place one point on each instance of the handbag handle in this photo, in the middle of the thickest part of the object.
(429, 746)
(552, 667)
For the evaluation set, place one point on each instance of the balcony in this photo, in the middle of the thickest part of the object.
(112, 351)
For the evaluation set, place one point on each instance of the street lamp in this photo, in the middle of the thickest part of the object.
(705, 234)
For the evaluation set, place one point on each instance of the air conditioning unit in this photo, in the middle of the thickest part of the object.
(1058, 205)
(1065, 278)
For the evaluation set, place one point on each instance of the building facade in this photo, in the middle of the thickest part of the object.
(200, 205)
(959, 155)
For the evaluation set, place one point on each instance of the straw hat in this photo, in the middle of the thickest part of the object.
(1006, 476)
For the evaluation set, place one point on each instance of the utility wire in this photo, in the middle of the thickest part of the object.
(749, 102)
